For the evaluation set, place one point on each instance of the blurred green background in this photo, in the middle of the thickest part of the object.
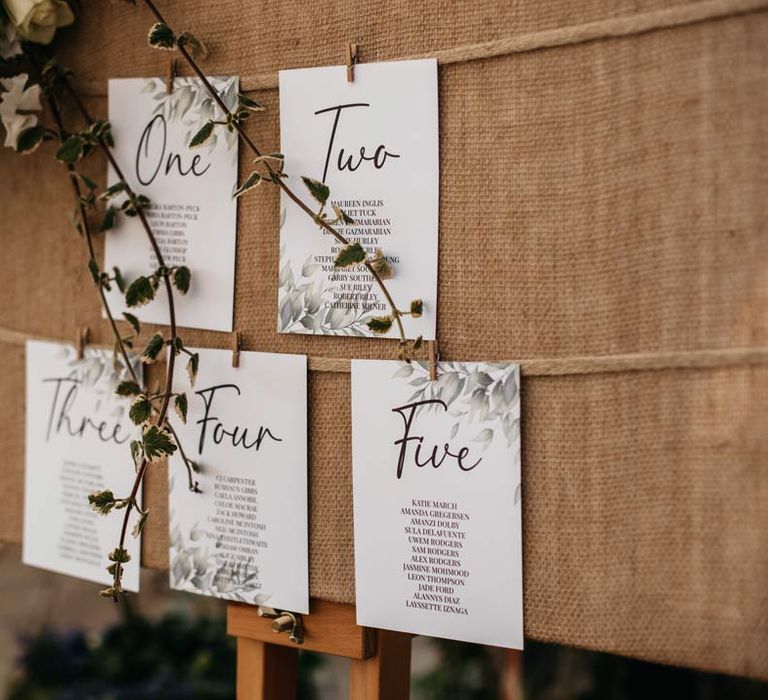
(60, 641)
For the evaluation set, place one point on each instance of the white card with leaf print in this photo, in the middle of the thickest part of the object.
(436, 489)
(192, 212)
(77, 436)
(244, 537)
(374, 143)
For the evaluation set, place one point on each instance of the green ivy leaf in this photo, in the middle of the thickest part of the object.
(380, 324)
(181, 278)
(158, 443)
(128, 388)
(342, 216)
(153, 348)
(138, 528)
(180, 405)
(137, 449)
(141, 292)
(192, 366)
(319, 190)
(70, 150)
(141, 410)
(102, 501)
(203, 135)
(253, 180)
(110, 214)
(30, 139)
(120, 555)
(133, 321)
(90, 184)
(192, 44)
(417, 308)
(249, 104)
(350, 255)
(113, 190)
(119, 280)
(381, 266)
(161, 36)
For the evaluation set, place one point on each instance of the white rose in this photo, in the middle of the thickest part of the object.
(37, 20)
(15, 104)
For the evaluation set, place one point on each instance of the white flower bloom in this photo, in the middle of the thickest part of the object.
(14, 103)
(37, 20)
(9, 42)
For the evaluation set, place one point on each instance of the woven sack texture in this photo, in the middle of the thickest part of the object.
(596, 198)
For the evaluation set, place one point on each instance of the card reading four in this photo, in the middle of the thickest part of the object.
(244, 537)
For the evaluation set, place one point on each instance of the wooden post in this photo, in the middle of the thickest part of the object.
(265, 671)
(380, 661)
(512, 675)
(386, 676)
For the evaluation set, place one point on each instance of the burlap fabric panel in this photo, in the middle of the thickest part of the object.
(607, 197)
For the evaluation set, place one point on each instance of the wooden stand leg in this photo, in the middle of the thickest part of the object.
(265, 671)
(386, 676)
(512, 675)
(380, 661)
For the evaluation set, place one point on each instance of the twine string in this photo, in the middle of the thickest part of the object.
(609, 28)
(534, 367)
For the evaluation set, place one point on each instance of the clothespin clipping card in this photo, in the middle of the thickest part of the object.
(237, 341)
(83, 333)
(434, 358)
(171, 76)
(351, 60)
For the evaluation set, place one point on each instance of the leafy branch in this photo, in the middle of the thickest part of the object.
(162, 36)
(158, 439)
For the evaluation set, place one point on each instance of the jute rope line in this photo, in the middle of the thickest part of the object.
(610, 28)
(540, 367)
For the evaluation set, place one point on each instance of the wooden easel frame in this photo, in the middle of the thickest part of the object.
(267, 662)
(379, 660)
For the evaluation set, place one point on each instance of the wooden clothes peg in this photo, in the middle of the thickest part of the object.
(351, 60)
(237, 343)
(172, 67)
(434, 358)
(81, 340)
